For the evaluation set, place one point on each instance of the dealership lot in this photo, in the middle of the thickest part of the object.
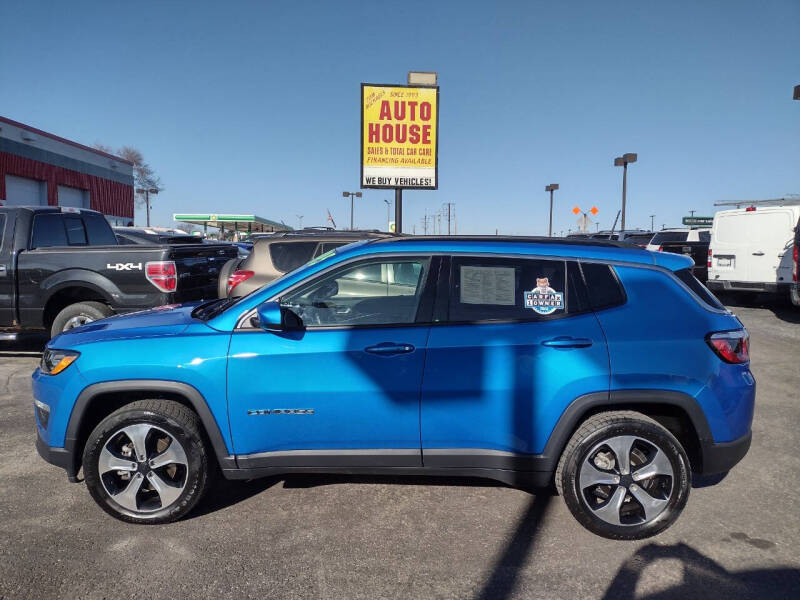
(380, 537)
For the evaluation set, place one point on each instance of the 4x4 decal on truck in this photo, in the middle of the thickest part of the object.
(124, 266)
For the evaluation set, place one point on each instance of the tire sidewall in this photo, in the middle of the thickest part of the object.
(197, 469)
(73, 310)
(652, 433)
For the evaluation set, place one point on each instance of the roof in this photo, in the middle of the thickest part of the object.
(57, 138)
(592, 249)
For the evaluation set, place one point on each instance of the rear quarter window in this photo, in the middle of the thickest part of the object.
(602, 286)
(287, 256)
(685, 275)
(98, 230)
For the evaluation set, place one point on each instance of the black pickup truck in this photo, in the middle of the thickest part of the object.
(62, 267)
(697, 251)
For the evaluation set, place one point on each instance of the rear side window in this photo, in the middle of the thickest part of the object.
(76, 232)
(98, 230)
(491, 289)
(2, 228)
(602, 286)
(48, 230)
(685, 275)
(704, 236)
(287, 256)
(669, 236)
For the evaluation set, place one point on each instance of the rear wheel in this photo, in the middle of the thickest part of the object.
(147, 462)
(624, 476)
(79, 314)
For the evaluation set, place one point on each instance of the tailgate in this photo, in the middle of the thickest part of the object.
(198, 267)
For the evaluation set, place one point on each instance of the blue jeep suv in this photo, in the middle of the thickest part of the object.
(605, 370)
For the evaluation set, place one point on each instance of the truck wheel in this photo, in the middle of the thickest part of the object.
(147, 462)
(79, 314)
(624, 476)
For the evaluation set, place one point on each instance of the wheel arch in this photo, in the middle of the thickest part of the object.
(71, 293)
(676, 411)
(99, 400)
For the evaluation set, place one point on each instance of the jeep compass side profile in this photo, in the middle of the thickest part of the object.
(603, 369)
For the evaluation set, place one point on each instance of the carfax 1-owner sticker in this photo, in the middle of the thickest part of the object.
(544, 299)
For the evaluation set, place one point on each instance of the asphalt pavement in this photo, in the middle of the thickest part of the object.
(382, 537)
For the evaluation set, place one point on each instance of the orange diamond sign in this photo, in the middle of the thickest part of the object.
(576, 210)
(593, 210)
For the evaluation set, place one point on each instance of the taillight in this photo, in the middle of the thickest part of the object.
(796, 259)
(238, 277)
(661, 248)
(163, 274)
(731, 346)
(710, 256)
(750, 209)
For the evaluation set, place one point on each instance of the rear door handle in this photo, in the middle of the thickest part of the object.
(568, 342)
(758, 254)
(389, 348)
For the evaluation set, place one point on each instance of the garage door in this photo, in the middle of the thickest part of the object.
(21, 191)
(70, 196)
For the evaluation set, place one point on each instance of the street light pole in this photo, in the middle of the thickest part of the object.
(551, 188)
(388, 214)
(147, 192)
(651, 221)
(623, 161)
(352, 195)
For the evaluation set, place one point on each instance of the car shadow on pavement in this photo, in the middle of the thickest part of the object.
(225, 493)
(779, 306)
(702, 578)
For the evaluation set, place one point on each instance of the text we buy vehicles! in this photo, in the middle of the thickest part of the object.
(754, 249)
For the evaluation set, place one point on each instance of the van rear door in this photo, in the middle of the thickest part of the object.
(749, 245)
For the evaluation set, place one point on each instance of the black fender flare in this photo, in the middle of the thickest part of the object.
(578, 408)
(191, 394)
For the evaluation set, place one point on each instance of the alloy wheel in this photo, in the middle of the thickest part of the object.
(626, 480)
(143, 468)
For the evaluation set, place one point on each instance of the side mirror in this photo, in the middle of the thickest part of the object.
(270, 316)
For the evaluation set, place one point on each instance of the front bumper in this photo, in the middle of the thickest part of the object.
(60, 457)
(721, 457)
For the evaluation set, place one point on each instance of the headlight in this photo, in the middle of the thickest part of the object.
(55, 361)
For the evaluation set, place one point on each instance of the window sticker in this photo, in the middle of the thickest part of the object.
(487, 285)
(544, 299)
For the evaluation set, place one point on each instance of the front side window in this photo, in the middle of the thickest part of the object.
(385, 292)
(502, 289)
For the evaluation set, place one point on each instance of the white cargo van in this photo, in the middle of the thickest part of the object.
(753, 249)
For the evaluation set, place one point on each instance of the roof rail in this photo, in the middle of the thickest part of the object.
(787, 201)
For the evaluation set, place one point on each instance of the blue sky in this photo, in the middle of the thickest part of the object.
(254, 106)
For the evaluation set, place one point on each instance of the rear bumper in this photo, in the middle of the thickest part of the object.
(721, 457)
(718, 285)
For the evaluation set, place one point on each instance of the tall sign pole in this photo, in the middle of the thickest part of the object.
(400, 137)
(551, 188)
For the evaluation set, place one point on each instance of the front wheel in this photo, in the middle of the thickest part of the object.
(623, 476)
(147, 462)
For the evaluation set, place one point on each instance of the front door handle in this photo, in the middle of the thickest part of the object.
(389, 348)
(758, 254)
(567, 342)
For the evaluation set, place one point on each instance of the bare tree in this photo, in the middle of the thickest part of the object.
(144, 177)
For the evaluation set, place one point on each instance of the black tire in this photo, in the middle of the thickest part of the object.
(91, 311)
(669, 492)
(179, 422)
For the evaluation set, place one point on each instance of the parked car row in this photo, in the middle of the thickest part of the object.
(62, 268)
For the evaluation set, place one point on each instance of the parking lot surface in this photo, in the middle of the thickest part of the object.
(381, 537)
